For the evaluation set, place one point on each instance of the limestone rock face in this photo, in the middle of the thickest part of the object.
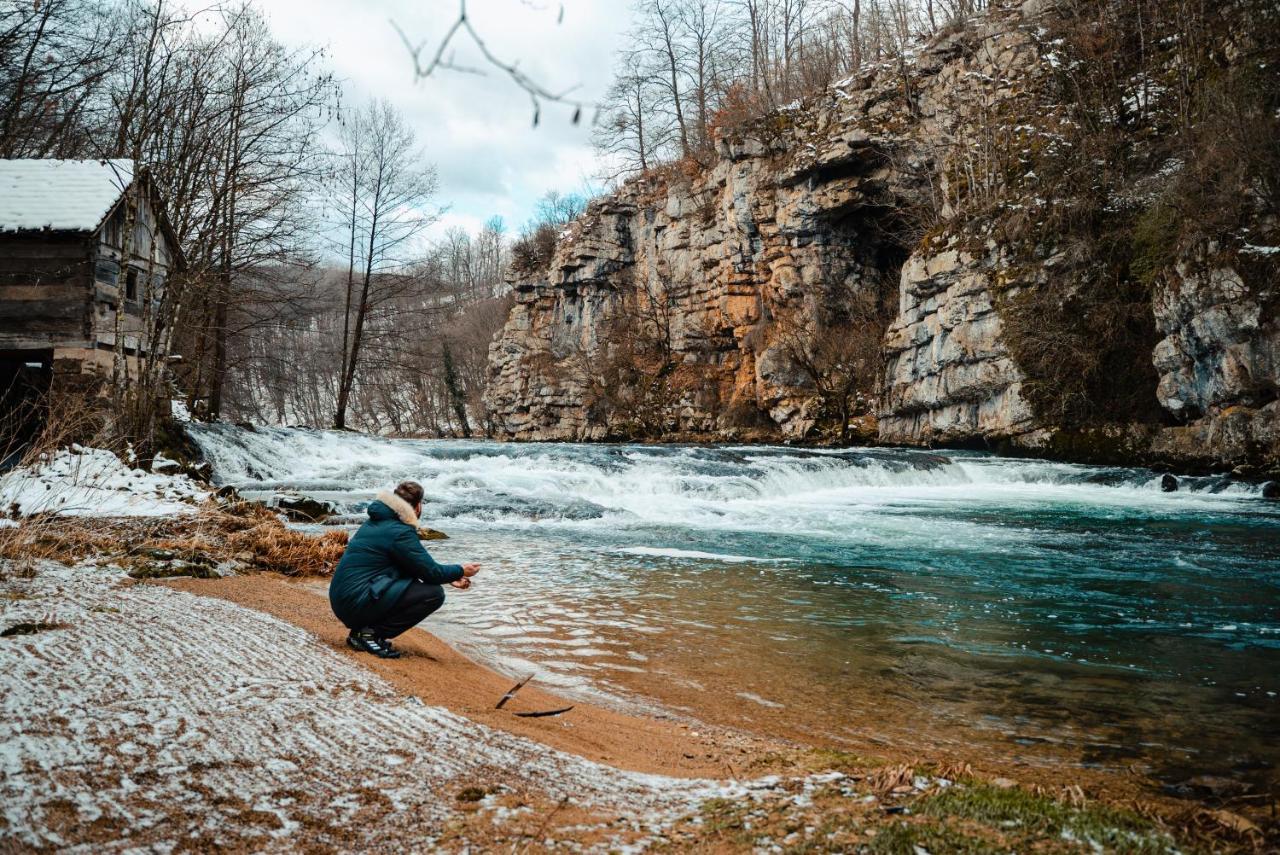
(797, 218)
(949, 375)
(1219, 362)
(807, 213)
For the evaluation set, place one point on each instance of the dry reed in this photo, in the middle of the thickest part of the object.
(245, 533)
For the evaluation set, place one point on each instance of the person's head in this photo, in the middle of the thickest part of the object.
(411, 492)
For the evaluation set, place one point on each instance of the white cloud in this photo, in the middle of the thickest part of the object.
(476, 129)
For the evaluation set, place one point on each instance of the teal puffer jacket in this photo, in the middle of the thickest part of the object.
(382, 559)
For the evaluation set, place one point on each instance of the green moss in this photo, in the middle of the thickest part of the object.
(1155, 242)
(903, 838)
(731, 823)
(1021, 814)
(720, 815)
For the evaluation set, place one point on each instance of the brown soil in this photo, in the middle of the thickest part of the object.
(440, 676)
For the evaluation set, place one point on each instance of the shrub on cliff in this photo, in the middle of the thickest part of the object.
(1162, 121)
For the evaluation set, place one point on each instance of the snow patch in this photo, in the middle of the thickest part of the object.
(80, 481)
(1260, 250)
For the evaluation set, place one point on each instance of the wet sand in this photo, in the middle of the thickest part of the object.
(440, 676)
(722, 736)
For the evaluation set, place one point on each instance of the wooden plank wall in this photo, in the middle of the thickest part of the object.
(44, 290)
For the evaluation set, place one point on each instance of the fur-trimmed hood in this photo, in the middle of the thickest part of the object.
(399, 507)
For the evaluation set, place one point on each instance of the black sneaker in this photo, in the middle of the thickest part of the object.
(367, 642)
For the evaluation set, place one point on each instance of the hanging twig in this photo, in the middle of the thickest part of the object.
(536, 91)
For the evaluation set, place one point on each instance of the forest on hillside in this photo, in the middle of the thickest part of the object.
(312, 294)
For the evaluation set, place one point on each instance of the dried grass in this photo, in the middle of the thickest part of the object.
(284, 550)
(247, 533)
(884, 781)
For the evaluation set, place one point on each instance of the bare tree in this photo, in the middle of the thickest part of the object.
(391, 196)
(55, 58)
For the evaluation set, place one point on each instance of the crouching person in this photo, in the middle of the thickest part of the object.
(386, 582)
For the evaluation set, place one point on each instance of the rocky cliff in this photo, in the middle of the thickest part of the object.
(923, 254)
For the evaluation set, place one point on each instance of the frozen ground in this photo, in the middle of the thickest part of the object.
(145, 717)
(79, 481)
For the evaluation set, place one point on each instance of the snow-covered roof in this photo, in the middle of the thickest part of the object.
(60, 195)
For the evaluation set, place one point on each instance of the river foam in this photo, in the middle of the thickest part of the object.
(752, 488)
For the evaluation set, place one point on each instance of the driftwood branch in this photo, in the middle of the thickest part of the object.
(544, 713)
(511, 693)
(537, 835)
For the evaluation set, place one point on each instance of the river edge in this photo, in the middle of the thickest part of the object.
(777, 795)
(829, 798)
(708, 745)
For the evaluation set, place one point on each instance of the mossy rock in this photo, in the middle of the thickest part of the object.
(165, 570)
(425, 533)
(304, 508)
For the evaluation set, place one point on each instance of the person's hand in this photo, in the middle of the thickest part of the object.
(470, 569)
(462, 584)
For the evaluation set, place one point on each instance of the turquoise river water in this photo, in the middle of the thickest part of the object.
(1050, 613)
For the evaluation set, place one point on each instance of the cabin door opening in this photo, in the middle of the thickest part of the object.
(25, 379)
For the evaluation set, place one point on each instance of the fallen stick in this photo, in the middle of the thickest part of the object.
(543, 713)
(511, 693)
(520, 847)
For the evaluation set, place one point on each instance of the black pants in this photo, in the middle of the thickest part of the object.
(417, 601)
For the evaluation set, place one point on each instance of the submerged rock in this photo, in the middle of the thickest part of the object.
(1271, 490)
(301, 508)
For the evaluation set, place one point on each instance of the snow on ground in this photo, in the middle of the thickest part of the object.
(152, 717)
(80, 481)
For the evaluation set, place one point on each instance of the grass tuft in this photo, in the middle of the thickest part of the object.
(1025, 817)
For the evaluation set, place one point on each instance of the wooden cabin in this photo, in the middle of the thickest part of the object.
(63, 269)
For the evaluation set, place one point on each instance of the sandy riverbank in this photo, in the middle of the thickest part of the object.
(225, 712)
(192, 715)
(440, 676)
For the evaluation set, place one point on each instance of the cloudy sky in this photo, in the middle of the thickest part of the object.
(476, 129)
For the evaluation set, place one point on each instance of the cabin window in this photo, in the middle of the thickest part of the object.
(131, 284)
(107, 272)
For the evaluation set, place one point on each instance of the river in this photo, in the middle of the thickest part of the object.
(1049, 613)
